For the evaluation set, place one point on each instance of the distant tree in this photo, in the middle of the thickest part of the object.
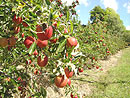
(108, 15)
(97, 11)
(126, 36)
(115, 24)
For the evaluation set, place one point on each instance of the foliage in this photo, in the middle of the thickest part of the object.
(97, 10)
(93, 43)
(41, 38)
(114, 23)
(24, 21)
(114, 27)
(126, 36)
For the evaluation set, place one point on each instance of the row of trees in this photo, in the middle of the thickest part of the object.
(108, 15)
(114, 23)
(104, 25)
(40, 38)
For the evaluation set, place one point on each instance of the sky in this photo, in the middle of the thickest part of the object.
(122, 7)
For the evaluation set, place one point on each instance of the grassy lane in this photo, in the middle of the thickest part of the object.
(116, 82)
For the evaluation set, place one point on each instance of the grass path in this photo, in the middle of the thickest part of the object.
(115, 82)
(112, 82)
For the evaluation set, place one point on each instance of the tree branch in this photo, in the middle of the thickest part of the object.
(27, 4)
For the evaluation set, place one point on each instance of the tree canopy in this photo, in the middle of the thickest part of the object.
(108, 15)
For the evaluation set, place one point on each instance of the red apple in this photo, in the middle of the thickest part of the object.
(80, 69)
(108, 51)
(71, 42)
(70, 59)
(14, 18)
(46, 35)
(60, 81)
(41, 43)
(97, 67)
(93, 58)
(3, 42)
(101, 69)
(9, 48)
(28, 62)
(12, 41)
(38, 28)
(35, 53)
(19, 20)
(19, 78)
(28, 41)
(49, 32)
(20, 88)
(41, 62)
(65, 31)
(76, 96)
(22, 35)
(71, 95)
(54, 40)
(17, 30)
(100, 40)
(40, 72)
(104, 44)
(66, 54)
(68, 73)
(36, 72)
(55, 24)
(60, 15)
(25, 24)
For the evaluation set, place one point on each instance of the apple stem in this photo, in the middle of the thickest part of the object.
(35, 31)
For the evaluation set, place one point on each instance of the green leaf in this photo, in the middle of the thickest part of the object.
(50, 18)
(37, 94)
(48, 2)
(71, 26)
(13, 81)
(34, 34)
(66, 36)
(33, 14)
(55, 16)
(32, 48)
(61, 46)
(68, 14)
(13, 9)
(43, 92)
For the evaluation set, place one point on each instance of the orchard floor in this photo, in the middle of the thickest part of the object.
(112, 82)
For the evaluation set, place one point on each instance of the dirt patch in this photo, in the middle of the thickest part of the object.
(83, 81)
(111, 61)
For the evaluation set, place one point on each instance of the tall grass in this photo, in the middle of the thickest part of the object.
(116, 82)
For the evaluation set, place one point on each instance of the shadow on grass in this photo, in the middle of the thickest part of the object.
(102, 83)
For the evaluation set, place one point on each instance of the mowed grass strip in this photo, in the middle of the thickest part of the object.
(116, 82)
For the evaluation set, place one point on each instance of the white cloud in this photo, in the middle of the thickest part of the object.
(127, 5)
(78, 11)
(127, 27)
(110, 3)
(84, 2)
(128, 9)
(69, 2)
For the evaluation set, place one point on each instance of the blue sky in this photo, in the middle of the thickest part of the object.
(122, 7)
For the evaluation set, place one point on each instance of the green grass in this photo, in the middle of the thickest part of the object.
(116, 82)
